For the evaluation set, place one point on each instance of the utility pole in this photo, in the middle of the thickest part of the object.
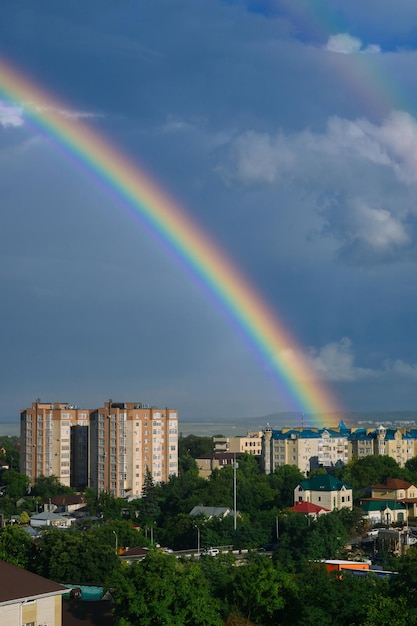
(115, 534)
(234, 495)
(198, 540)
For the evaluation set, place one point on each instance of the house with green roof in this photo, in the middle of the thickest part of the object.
(384, 511)
(325, 491)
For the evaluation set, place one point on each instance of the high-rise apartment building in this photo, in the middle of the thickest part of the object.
(126, 440)
(311, 448)
(399, 444)
(304, 447)
(109, 449)
(45, 434)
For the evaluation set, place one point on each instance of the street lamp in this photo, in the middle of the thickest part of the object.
(115, 534)
(234, 495)
(198, 540)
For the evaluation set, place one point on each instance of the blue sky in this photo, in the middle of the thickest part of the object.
(289, 135)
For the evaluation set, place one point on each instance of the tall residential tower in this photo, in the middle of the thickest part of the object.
(126, 440)
(109, 449)
(45, 441)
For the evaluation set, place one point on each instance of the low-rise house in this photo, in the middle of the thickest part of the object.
(325, 491)
(250, 443)
(216, 460)
(48, 518)
(399, 490)
(384, 511)
(211, 511)
(69, 502)
(27, 598)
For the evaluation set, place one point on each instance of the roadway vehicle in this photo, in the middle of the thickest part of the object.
(374, 532)
(210, 552)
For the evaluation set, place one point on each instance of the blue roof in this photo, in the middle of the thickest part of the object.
(358, 434)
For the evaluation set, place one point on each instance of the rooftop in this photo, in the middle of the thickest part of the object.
(18, 584)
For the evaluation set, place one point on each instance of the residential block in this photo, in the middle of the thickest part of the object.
(109, 448)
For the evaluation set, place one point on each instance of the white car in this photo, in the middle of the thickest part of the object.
(374, 532)
(211, 552)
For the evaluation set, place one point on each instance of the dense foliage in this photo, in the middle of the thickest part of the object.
(163, 590)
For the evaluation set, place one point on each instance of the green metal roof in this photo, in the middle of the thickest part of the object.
(323, 482)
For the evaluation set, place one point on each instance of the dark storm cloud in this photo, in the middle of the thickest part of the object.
(248, 115)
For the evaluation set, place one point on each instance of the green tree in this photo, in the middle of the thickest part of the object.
(179, 532)
(109, 506)
(24, 518)
(327, 537)
(121, 532)
(9, 451)
(405, 582)
(163, 591)
(363, 472)
(75, 557)
(17, 546)
(410, 470)
(149, 509)
(47, 487)
(259, 590)
(92, 500)
(283, 481)
(16, 484)
(387, 611)
(328, 598)
(195, 446)
(182, 493)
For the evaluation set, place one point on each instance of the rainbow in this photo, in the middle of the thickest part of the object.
(131, 185)
(359, 72)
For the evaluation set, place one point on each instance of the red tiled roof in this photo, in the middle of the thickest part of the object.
(17, 583)
(393, 483)
(307, 507)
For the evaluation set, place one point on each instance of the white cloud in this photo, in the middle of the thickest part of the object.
(259, 158)
(13, 115)
(376, 227)
(67, 113)
(397, 136)
(343, 43)
(335, 362)
(367, 170)
(332, 362)
(401, 368)
(10, 115)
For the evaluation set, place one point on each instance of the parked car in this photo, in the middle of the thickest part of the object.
(210, 552)
(374, 532)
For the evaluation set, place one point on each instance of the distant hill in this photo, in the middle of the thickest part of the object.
(352, 419)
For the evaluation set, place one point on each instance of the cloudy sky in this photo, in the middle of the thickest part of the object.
(287, 131)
